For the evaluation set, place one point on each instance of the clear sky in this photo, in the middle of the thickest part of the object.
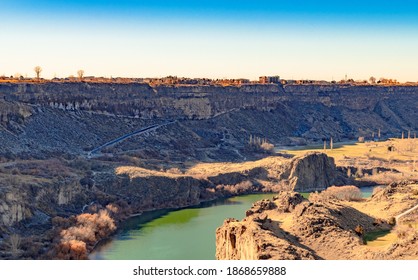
(216, 39)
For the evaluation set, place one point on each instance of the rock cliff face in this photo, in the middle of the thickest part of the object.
(242, 241)
(75, 117)
(158, 191)
(145, 189)
(39, 122)
(290, 227)
(301, 230)
(251, 238)
(313, 172)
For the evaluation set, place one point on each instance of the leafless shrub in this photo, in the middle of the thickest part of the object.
(242, 187)
(258, 144)
(267, 147)
(348, 193)
(174, 170)
(392, 221)
(112, 208)
(15, 241)
(72, 250)
(87, 231)
(359, 230)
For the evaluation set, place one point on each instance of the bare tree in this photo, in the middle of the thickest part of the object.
(80, 74)
(372, 80)
(14, 244)
(38, 70)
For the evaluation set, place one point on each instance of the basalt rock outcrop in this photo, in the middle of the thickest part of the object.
(257, 236)
(146, 190)
(43, 121)
(303, 231)
(158, 190)
(290, 227)
(242, 241)
(49, 118)
(313, 172)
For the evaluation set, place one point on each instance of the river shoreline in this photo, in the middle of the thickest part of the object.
(132, 224)
(124, 225)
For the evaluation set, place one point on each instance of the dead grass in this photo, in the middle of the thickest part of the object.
(399, 154)
(204, 170)
(405, 150)
(346, 193)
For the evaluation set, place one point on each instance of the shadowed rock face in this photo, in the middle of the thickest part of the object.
(240, 241)
(258, 237)
(40, 119)
(290, 227)
(313, 172)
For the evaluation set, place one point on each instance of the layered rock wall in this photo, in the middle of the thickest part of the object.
(313, 172)
(76, 117)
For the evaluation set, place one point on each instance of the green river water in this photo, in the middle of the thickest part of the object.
(175, 234)
(184, 234)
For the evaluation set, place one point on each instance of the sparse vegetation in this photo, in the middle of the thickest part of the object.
(15, 241)
(175, 170)
(51, 182)
(347, 193)
(258, 144)
(38, 70)
(359, 230)
(392, 221)
(87, 231)
(80, 74)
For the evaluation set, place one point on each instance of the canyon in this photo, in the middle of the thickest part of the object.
(207, 144)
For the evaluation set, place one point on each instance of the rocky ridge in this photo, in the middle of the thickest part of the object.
(291, 227)
(131, 189)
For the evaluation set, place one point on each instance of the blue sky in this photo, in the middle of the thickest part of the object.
(294, 39)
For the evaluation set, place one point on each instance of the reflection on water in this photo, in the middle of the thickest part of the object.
(368, 191)
(178, 234)
(175, 234)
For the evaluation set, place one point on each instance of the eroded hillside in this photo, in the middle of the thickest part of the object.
(206, 142)
(212, 122)
(291, 227)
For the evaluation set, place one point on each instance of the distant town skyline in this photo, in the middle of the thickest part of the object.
(319, 40)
